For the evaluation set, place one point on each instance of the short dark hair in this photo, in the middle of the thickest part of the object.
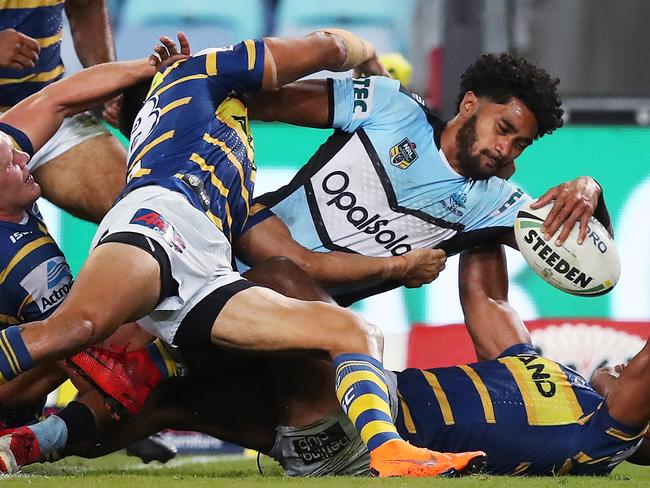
(132, 100)
(500, 77)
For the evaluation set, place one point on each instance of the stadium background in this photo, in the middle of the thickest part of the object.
(607, 98)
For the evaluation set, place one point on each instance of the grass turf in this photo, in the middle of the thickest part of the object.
(118, 470)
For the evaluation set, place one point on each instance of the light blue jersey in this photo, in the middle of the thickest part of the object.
(381, 185)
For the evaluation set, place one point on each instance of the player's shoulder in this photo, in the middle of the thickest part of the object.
(15, 237)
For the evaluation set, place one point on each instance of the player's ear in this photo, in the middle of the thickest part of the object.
(469, 104)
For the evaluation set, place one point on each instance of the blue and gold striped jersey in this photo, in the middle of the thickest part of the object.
(34, 275)
(192, 135)
(43, 21)
(530, 415)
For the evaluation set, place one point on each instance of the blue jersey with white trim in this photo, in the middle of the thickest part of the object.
(34, 275)
(530, 415)
(43, 21)
(192, 135)
(381, 185)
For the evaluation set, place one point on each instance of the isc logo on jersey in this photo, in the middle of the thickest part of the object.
(48, 283)
(590, 269)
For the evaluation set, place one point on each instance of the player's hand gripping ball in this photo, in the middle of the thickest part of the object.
(590, 269)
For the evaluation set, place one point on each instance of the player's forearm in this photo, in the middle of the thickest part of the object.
(91, 31)
(338, 268)
(94, 85)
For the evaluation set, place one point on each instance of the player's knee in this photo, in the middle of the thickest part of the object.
(358, 336)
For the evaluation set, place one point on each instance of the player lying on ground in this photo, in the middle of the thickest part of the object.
(162, 255)
(530, 414)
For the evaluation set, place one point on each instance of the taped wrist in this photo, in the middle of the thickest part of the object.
(357, 50)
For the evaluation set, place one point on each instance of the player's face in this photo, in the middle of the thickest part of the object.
(489, 140)
(18, 190)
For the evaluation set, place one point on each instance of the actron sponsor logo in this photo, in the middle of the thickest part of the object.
(336, 184)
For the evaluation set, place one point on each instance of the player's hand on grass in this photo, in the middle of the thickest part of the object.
(167, 53)
(17, 51)
(574, 201)
(422, 266)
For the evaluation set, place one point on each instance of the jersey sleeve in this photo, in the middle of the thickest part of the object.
(240, 66)
(518, 349)
(362, 101)
(18, 138)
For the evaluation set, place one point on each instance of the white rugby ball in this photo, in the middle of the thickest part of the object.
(590, 269)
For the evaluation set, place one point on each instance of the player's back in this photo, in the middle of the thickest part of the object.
(192, 134)
(530, 415)
(43, 21)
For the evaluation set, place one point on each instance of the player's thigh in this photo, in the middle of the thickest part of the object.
(261, 319)
(119, 283)
(87, 178)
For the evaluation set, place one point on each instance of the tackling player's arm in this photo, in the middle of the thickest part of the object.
(40, 115)
(271, 238)
(492, 323)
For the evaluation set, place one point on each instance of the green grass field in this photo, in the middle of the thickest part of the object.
(118, 470)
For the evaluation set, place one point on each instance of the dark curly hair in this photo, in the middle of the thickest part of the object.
(502, 77)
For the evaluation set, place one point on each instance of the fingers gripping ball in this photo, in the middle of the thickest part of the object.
(590, 269)
(398, 67)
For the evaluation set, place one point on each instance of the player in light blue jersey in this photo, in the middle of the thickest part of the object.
(395, 181)
(162, 255)
(31, 34)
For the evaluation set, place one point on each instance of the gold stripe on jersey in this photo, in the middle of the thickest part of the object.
(583, 458)
(408, 418)
(42, 228)
(48, 41)
(8, 319)
(10, 4)
(211, 63)
(486, 401)
(216, 182)
(548, 396)
(150, 146)
(441, 396)
(357, 377)
(215, 220)
(520, 469)
(9, 353)
(250, 50)
(175, 104)
(198, 76)
(378, 371)
(235, 162)
(41, 241)
(34, 78)
(160, 77)
(257, 208)
(28, 299)
(619, 434)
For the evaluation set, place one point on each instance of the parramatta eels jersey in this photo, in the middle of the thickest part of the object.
(43, 21)
(381, 185)
(34, 275)
(192, 135)
(530, 415)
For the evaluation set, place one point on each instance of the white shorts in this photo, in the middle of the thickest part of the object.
(73, 131)
(199, 253)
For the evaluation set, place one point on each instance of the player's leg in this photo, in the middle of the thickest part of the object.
(86, 179)
(118, 283)
(259, 319)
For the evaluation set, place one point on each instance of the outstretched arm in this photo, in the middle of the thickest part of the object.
(492, 323)
(271, 238)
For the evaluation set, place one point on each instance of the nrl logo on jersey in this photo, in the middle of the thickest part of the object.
(403, 154)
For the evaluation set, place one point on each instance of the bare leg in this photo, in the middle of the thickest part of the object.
(86, 179)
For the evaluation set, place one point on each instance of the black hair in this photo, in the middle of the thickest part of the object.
(500, 77)
(132, 100)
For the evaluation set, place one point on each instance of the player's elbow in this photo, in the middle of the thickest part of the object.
(332, 49)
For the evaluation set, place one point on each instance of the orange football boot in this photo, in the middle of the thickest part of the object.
(399, 458)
